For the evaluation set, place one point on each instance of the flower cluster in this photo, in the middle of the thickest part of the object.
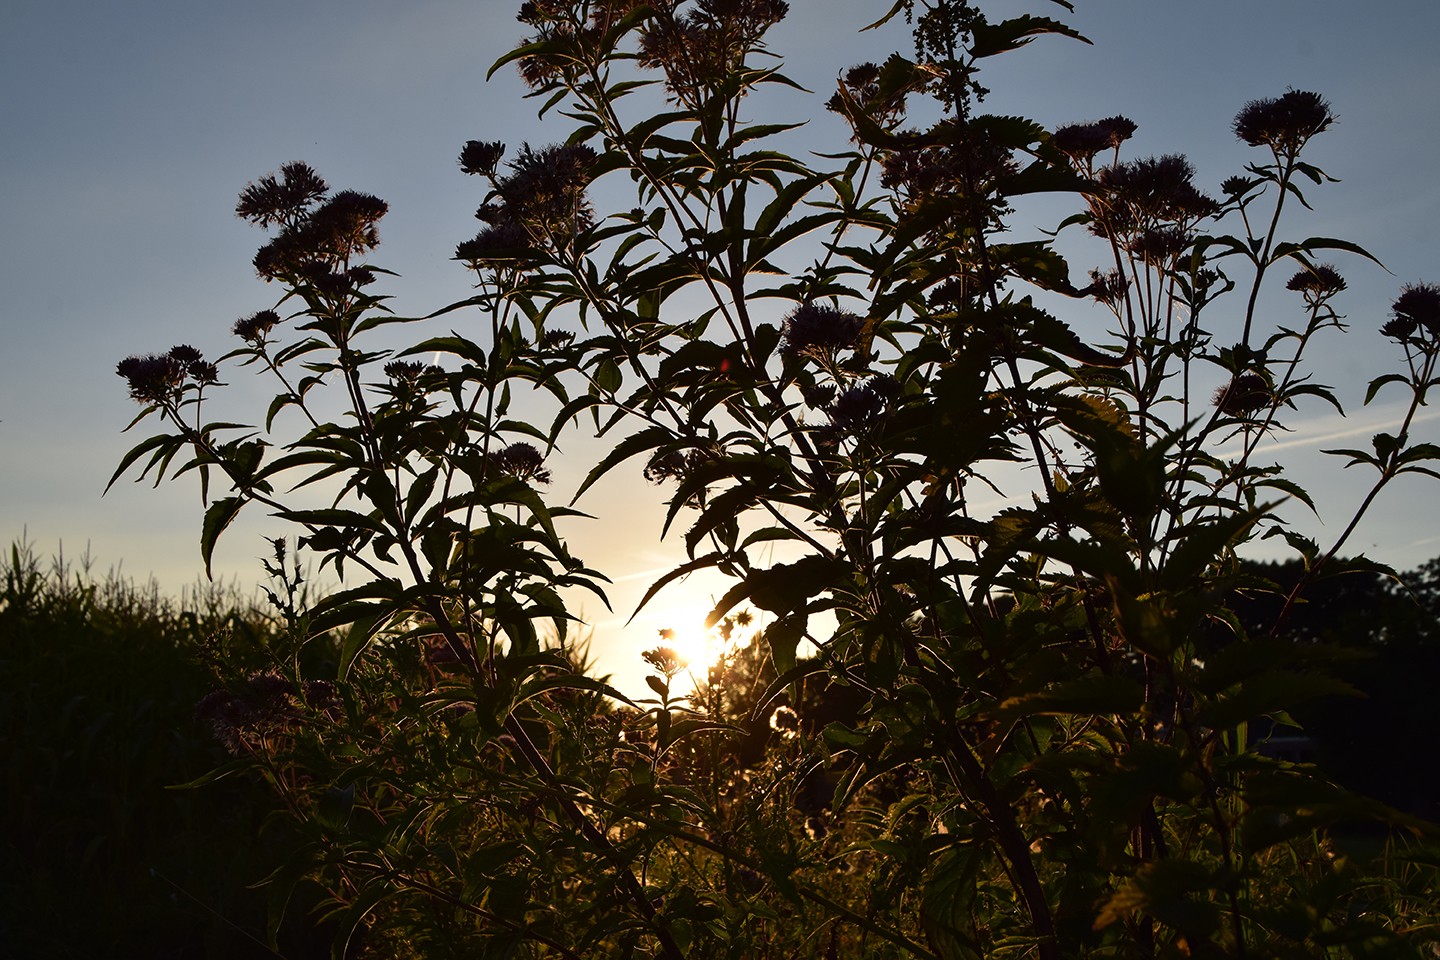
(1158, 189)
(541, 202)
(282, 200)
(963, 172)
(314, 245)
(1150, 206)
(665, 660)
(556, 339)
(1082, 141)
(410, 379)
(706, 44)
(481, 157)
(818, 331)
(1417, 308)
(1284, 123)
(857, 408)
(862, 85)
(565, 20)
(1109, 287)
(1243, 395)
(1318, 283)
(522, 461)
(265, 704)
(160, 378)
(674, 465)
(254, 328)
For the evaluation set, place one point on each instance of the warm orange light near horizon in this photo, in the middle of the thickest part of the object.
(685, 632)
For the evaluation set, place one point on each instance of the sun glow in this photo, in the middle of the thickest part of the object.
(685, 633)
(699, 648)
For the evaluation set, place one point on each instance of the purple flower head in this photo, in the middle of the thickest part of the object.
(505, 244)
(523, 462)
(1081, 141)
(1317, 283)
(481, 157)
(281, 200)
(816, 330)
(1419, 303)
(1283, 123)
(1158, 188)
(152, 378)
(1243, 395)
(253, 328)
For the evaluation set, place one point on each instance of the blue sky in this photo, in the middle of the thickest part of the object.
(128, 130)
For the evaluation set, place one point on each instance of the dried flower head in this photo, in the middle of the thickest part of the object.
(819, 331)
(1283, 123)
(1419, 303)
(1243, 395)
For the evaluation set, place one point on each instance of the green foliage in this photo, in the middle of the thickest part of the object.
(954, 733)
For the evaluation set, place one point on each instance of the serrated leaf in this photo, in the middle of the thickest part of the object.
(991, 39)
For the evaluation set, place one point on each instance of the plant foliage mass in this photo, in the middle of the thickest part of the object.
(941, 729)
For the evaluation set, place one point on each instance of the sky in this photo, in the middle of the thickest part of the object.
(129, 129)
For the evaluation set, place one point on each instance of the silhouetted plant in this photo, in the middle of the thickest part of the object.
(1037, 718)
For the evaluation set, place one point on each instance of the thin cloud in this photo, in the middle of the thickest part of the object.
(1304, 440)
